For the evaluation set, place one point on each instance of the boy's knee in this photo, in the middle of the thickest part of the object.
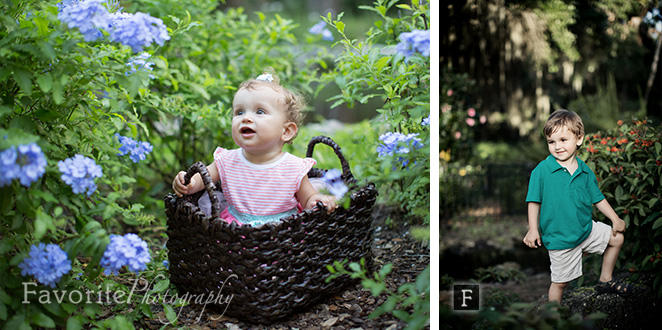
(617, 240)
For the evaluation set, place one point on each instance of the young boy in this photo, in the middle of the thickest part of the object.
(562, 191)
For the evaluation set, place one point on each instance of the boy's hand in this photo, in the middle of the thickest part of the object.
(532, 239)
(327, 200)
(618, 226)
(178, 184)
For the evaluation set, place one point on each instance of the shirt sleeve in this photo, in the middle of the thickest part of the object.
(306, 165)
(218, 156)
(534, 194)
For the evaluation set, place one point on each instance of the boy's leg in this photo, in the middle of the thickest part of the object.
(610, 256)
(556, 291)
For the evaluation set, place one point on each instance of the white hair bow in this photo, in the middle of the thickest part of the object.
(265, 77)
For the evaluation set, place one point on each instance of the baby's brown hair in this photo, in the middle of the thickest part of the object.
(562, 117)
(294, 101)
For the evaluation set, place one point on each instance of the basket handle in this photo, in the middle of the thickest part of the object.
(347, 175)
(200, 167)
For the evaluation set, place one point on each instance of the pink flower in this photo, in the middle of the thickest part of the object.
(450, 92)
(471, 122)
(471, 112)
(447, 107)
(483, 119)
(458, 135)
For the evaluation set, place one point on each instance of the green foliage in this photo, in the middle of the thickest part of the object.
(71, 97)
(532, 316)
(370, 69)
(499, 273)
(628, 162)
(411, 302)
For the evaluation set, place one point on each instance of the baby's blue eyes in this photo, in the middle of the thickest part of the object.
(241, 112)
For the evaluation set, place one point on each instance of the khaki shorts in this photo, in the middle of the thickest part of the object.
(566, 265)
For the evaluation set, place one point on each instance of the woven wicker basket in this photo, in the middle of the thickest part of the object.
(270, 271)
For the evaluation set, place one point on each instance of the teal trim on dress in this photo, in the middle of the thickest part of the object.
(258, 220)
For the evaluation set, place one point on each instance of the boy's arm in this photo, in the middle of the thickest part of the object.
(532, 238)
(617, 225)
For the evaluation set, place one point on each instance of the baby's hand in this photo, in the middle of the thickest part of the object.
(178, 184)
(327, 200)
(532, 239)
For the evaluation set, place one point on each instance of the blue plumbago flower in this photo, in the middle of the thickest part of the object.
(320, 28)
(47, 263)
(138, 30)
(26, 163)
(140, 63)
(334, 183)
(9, 169)
(138, 149)
(394, 143)
(417, 41)
(426, 121)
(88, 16)
(166, 264)
(79, 172)
(128, 250)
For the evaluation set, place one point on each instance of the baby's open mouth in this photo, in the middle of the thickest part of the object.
(246, 130)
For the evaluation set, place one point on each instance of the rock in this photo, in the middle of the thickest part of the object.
(640, 310)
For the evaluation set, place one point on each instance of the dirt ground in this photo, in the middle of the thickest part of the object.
(350, 310)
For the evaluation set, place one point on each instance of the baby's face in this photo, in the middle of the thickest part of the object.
(563, 144)
(259, 119)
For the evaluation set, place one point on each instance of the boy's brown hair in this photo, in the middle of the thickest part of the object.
(562, 117)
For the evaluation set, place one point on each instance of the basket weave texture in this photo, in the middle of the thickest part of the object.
(270, 271)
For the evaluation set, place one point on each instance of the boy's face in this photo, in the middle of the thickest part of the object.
(563, 144)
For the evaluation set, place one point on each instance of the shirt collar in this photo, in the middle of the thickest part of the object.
(553, 165)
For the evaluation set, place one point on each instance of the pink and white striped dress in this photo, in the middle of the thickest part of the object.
(260, 193)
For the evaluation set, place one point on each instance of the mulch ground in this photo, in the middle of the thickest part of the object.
(349, 310)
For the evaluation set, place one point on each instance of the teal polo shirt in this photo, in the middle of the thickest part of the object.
(566, 202)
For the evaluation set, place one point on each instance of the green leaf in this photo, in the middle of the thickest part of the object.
(379, 65)
(75, 322)
(3, 312)
(24, 80)
(658, 148)
(170, 313)
(42, 223)
(657, 223)
(161, 286)
(45, 82)
(385, 270)
(340, 26)
(42, 320)
(619, 193)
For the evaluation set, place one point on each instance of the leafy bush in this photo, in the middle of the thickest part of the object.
(391, 65)
(628, 162)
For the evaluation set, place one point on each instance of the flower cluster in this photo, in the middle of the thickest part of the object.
(138, 150)
(26, 163)
(320, 28)
(47, 263)
(138, 30)
(140, 63)
(394, 143)
(79, 172)
(334, 183)
(426, 121)
(134, 30)
(417, 41)
(128, 250)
